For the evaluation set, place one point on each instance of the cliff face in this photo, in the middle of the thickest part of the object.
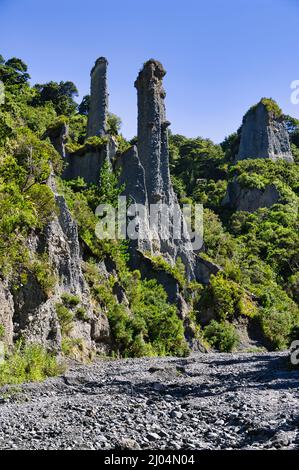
(250, 199)
(264, 135)
(6, 313)
(30, 313)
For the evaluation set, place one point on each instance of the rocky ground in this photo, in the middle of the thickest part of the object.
(208, 401)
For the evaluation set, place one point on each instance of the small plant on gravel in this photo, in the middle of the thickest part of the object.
(29, 363)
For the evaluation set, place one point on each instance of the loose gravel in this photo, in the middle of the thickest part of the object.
(206, 401)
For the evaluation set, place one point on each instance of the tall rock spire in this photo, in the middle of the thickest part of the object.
(154, 175)
(88, 161)
(98, 112)
(152, 131)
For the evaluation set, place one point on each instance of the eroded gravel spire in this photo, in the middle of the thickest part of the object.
(98, 112)
(152, 130)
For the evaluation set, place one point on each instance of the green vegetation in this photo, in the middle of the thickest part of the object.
(90, 144)
(67, 310)
(81, 314)
(294, 335)
(28, 364)
(27, 204)
(259, 173)
(222, 336)
(177, 271)
(70, 300)
(70, 346)
(149, 325)
(271, 106)
(258, 252)
(59, 95)
(43, 273)
(65, 318)
(227, 298)
(2, 331)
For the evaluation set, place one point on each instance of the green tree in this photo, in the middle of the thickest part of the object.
(84, 105)
(114, 124)
(60, 94)
(13, 72)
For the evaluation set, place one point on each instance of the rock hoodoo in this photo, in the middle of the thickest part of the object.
(152, 132)
(87, 163)
(149, 170)
(264, 134)
(98, 112)
(154, 157)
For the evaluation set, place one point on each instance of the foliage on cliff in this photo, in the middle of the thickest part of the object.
(257, 251)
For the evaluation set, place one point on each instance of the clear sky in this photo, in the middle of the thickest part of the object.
(221, 56)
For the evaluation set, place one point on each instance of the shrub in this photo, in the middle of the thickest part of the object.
(293, 286)
(277, 326)
(81, 314)
(177, 270)
(222, 336)
(65, 318)
(223, 296)
(271, 106)
(27, 364)
(70, 346)
(2, 332)
(151, 326)
(44, 274)
(294, 334)
(70, 300)
(162, 327)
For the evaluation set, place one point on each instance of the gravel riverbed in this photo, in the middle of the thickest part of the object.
(206, 401)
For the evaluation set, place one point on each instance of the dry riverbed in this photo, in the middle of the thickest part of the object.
(206, 401)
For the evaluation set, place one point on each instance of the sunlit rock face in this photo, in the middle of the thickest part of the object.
(264, 134)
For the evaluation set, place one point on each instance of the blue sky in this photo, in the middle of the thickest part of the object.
(221, 56)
